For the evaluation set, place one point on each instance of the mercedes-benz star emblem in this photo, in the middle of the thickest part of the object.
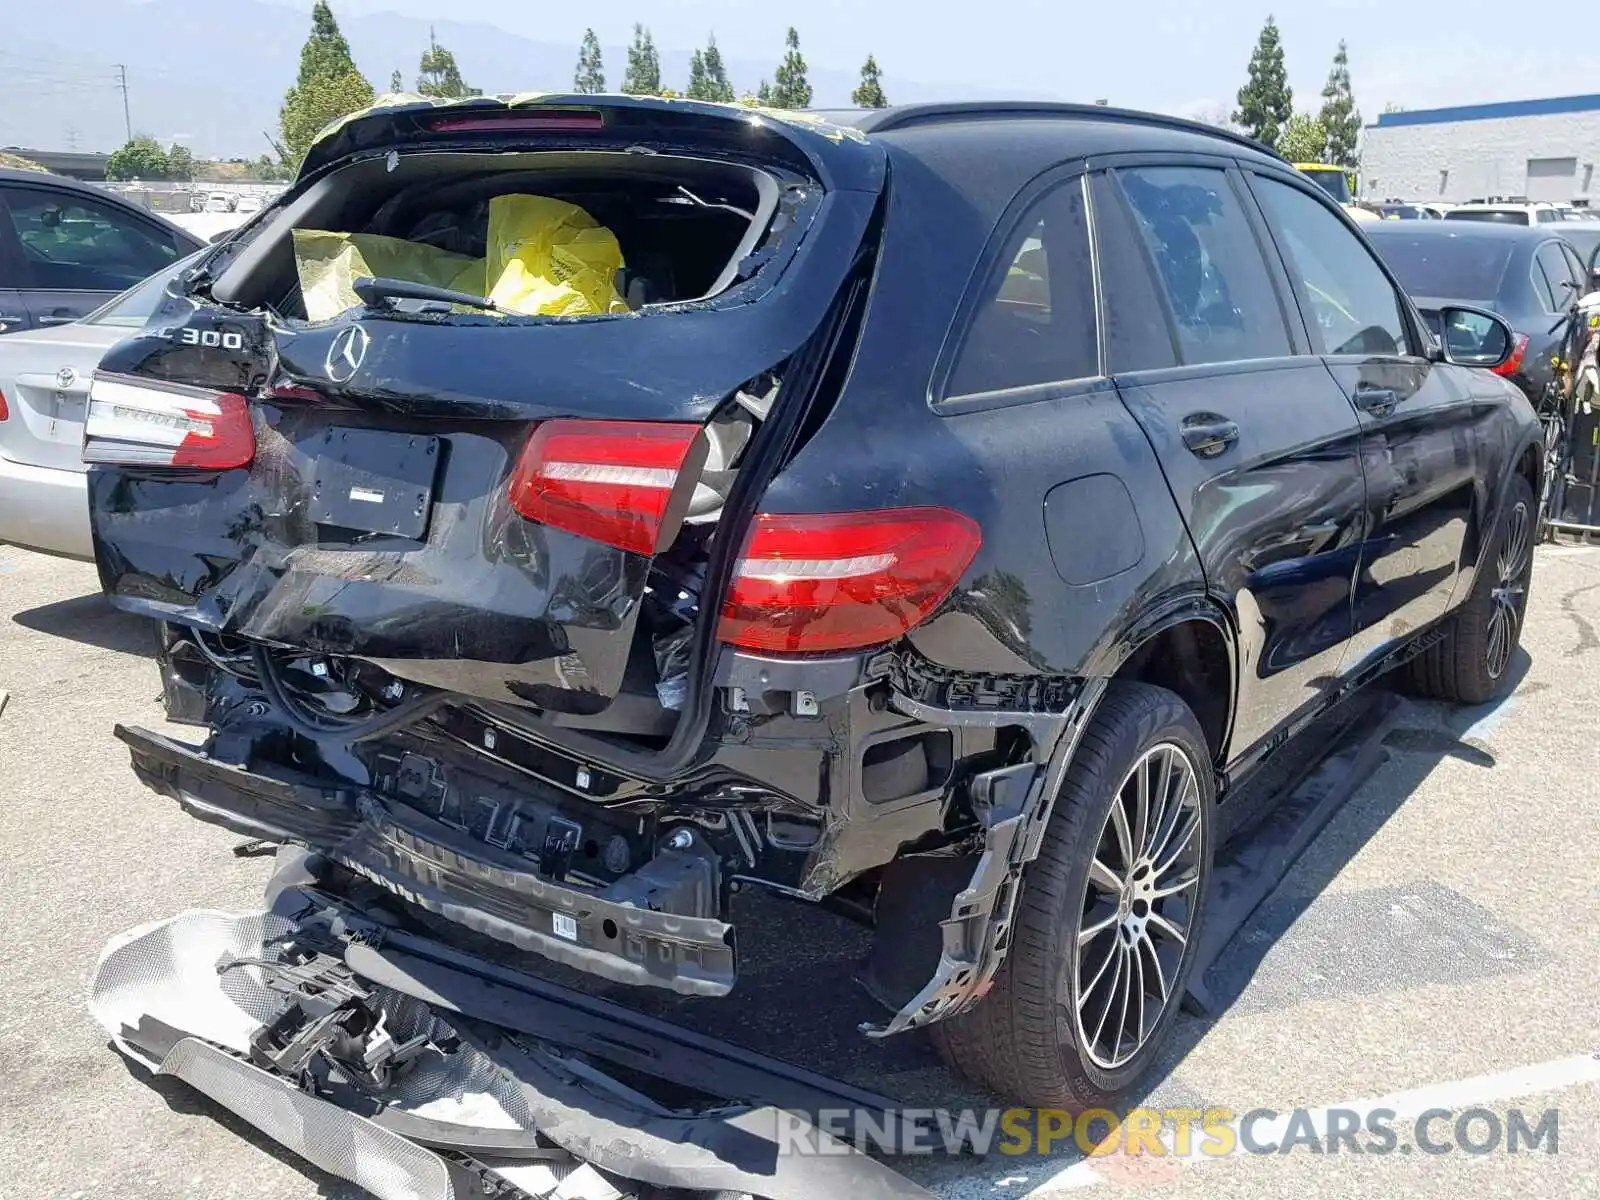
(65, 378)
(345, 355)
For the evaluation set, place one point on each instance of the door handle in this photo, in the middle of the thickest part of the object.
(58, 318)
(7, 321)
(1379, 402)
(1207, 434)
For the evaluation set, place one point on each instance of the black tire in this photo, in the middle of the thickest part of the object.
(1472, 663)
(1021, 1041)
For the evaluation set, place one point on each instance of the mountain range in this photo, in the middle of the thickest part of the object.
(212, 75)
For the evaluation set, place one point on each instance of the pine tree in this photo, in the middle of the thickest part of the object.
(1340, 117)
(765, 96)
(717, 85)
(643, 77)
(790, 87)
(1265, 101)
(438, 75)
(590, 77)
(327, 88)
(397, 82)
(697, 77)
(869, 94)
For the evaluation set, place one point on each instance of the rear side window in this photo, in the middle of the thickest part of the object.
(1557, 276)
(1210, 265)
(74, 243)
(1034, 322)
(1350, 304)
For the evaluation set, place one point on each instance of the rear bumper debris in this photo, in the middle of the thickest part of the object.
(439, 869)
(419, 1099)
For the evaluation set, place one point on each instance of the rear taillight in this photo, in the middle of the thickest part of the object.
(844, 581)
(136, 423)
(617, 482)
(1513, 364)
(5, 413)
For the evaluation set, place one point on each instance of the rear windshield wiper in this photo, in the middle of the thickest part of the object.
(382, 293)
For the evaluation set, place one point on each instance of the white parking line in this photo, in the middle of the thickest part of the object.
(1480, 1090)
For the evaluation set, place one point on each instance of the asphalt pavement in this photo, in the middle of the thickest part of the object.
(1436, 947)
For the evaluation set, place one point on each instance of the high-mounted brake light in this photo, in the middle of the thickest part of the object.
(1513, 364)
(136, 423)
(548, 122)
(625, 483)
(844, 581)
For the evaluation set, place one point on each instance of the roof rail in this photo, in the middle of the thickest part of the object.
(904, 115)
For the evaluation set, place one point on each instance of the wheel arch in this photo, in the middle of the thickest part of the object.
(1190, 648)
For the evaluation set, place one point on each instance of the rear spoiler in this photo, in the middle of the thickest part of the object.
(838, 156)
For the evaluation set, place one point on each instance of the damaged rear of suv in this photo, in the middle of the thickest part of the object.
(821, 546)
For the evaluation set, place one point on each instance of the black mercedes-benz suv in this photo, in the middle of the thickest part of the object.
(939, 514)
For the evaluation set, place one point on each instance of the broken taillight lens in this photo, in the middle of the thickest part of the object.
(140, 423)
(844, 581)
(625, 483)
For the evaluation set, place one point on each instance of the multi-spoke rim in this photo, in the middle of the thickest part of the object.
(1507, 598)
(1138, 906)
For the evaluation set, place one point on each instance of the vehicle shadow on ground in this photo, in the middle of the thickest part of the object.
(186, 1101)
(92, 621)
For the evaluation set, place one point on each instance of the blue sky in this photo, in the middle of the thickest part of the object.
(1166, 54)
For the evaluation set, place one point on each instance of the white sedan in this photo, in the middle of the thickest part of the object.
(44, 386)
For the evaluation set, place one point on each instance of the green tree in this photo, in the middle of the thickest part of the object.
(643, 76)
(1339, 115)
(869, 93)
(765, 96)
(1265, 101)
(142, 158)
(327, 88)
(790, 87)
(697, 77)
(438, 75)
(397, 82)
(717, 86)
(590, 77)
(1304, 139)
(180, 163)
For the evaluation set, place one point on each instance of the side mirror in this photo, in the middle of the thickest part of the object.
(1475, 338)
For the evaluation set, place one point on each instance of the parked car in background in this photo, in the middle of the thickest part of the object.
(68, 247)
(221, 202)
(1527, 274)
(874, 575)
(1506, 214)
(44, 386)
(249, 203)
(1406, 212)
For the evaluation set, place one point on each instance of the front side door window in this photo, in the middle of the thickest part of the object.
(1351, 306)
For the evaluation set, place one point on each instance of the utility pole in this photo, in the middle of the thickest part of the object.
(122, 82)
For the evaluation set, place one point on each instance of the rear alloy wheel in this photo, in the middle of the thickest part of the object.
(1472, 663)
(1109, 916)
(1138, 907)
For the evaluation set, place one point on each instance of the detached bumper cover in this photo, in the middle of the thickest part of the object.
(190, 996)
(444, 871)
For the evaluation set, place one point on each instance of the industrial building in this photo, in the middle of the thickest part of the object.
(1533, 149)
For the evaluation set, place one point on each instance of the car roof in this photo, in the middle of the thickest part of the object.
(1487, 231)
(1000, 115)
(49, 179)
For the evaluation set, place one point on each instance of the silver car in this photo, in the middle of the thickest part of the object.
(44, 385)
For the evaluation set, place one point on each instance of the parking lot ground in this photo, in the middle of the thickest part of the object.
(1441, 933)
